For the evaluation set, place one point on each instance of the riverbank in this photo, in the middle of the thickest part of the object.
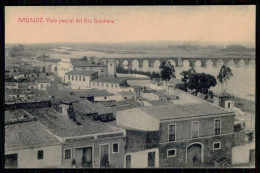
(244, 105)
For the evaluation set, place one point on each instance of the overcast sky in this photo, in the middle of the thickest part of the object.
(176, 23)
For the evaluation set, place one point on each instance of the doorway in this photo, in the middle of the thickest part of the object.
(194, 155)
(104, 156)
(11, 161)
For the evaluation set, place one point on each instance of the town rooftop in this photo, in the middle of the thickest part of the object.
(182, 111)
(81, 72)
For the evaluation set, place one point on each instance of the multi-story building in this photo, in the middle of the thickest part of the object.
(189, 134)
(80, 79)
(86, 142)
(104, 67)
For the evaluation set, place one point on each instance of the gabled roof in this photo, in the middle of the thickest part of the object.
(81, 72)
(64, 127)
(182, 111)
(15, 91)
(16, 115)
(86, 107)
(64, 95)
(28, 135)
(113, 80)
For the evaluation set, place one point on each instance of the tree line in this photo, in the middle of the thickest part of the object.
(193, 81)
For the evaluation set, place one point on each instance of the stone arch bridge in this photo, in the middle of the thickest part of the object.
(178, 61)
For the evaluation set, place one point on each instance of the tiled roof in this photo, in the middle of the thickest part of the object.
(159, 102)
(83, 107)
(14, 91)
(86, 107)
(182, 111)
(28, 135)
(42, 80)
(10, 83)
(16, 115)
(26, 84)
(64, 127)
(122, 105)
(81, 72)
(64, 94)
(127, 93)
(115, 80)
(85, 63)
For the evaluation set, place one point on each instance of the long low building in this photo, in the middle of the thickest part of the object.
(82, 79)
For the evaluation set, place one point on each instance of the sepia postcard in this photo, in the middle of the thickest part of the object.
(130, 86)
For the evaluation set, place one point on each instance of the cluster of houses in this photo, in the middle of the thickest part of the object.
(26, 83)
(100, 121)
(82, 133)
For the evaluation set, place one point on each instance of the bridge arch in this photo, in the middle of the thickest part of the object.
(241, 63)
(251, 63)
(219, 62)
(172, 62)
(186, 63)
(230, 63)
(135, 64)
(209, 63)
(125, 64)
(198, 63)
(157, 63)
(145, 63)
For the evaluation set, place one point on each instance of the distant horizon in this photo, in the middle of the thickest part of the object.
(204, 43)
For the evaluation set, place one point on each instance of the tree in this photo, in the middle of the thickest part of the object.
(224, 75)
(201, 83)
(186, 74)
(167, 71)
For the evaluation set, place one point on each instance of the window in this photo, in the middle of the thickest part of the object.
(69, 77)
(111, 64)
(76, 78)
(105, 98)
(195, 129)
(83, 78)
(151, 159)
(93, 83)
(217, 127)
(115, 148)
(171, 130)
(125, 98)
(112, 85)
(40, 154)
(171, 152)
(216, 145)
(55, 69)
(228, 105)
(67, 154)
(116, 86)
(106, 85)
(79, 78)
(102, 84)
(97, 84)
(72, 77)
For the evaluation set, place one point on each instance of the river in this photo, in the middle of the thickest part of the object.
(241, 84)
